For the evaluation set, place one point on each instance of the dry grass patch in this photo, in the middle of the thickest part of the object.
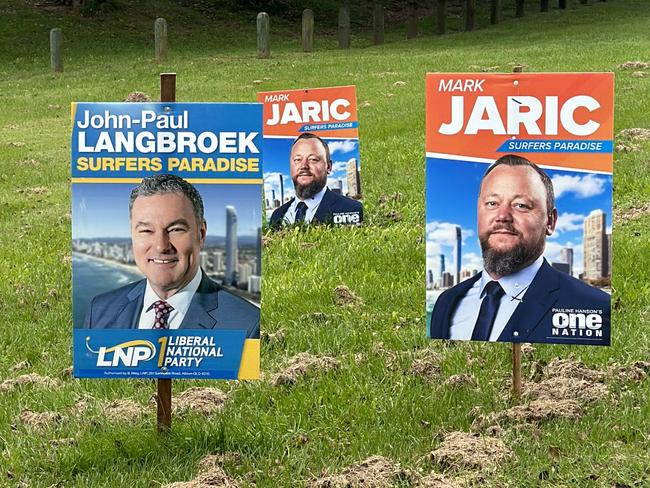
(460, 380)
(122, 411)
(569, 368)
(463, 450)
(637, 371)
(40, 420)
(538, 410)
(345, 297)
(31, 379)
(563, 388)
(634, 65)
(215, 477)
(427, 366)
(137, 96)
(635, 134)
(302, 365)
(374, 472)
(632, 213)
(435, 480)
(204, 401)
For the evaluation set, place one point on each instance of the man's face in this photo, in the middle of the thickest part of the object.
(513, 221)
(167, 241)
(309, 167)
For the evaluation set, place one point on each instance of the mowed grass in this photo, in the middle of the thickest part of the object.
(374, 405)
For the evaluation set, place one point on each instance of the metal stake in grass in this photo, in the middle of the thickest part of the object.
(441, 17)
(164, 397)
(561, 4)
(543, 5)
(307, 30)
(56, 52)
(519, 8)
(344, 27)
(160, 36)
(263, 40)
(378, 24)
(412, 26)
(495, 11)
(470, 14)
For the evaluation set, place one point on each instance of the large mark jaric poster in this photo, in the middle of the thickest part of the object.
(519, 207)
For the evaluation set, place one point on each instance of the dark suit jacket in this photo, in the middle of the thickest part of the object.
(327, 212)
(550, 292)
(212, 307)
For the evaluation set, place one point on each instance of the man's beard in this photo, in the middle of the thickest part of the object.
(308, 191)
(507, 262)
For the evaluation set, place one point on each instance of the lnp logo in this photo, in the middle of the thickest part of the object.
(128, 353)
(577, 323)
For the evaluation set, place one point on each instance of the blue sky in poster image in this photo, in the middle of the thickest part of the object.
(452, 190)
(276, 162)
(102, 209)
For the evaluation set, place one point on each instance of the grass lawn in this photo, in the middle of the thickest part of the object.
(371, 404)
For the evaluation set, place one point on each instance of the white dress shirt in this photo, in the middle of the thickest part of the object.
(312, 205)
(514, 286)
(180, 301)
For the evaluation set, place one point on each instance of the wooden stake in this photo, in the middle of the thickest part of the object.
(307, 30)
(56, 51)
(263, 36)
(164, 397)
(160, 39)
(516, 369)
(344, 27)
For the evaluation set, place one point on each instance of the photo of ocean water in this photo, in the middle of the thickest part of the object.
(92, 276)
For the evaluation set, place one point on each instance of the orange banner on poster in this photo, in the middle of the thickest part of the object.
(327, 112)
(565, 119)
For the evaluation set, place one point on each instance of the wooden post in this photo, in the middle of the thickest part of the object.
(519, 8)
(561, 4)
(584, 2)
(516, 369)
(344, 27)
(164, 396)
(543, 5)
(263, 39)
(470, 14)
(160, 35)
(56, 51)
(412, 23)
(378, 24)
(441, 17)
(307, 30)
(495, 12)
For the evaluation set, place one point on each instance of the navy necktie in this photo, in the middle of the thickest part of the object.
(301, 211)
(488, 312)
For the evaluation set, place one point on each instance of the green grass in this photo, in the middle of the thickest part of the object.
(360, 409)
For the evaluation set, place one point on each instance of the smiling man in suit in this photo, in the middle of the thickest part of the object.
(168, 231)
(310, 164)
(518, 296)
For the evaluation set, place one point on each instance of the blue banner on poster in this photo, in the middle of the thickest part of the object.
(555, 146)
(158, 353)
(190, 140)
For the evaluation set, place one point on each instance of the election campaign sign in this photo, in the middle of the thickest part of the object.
(519, 206)
(311, 151)
(166, 239)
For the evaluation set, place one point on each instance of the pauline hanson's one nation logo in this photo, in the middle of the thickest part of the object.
(577, 323)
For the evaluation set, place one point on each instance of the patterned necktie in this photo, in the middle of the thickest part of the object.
(301, 211)
(488, 312)
(162, 309)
